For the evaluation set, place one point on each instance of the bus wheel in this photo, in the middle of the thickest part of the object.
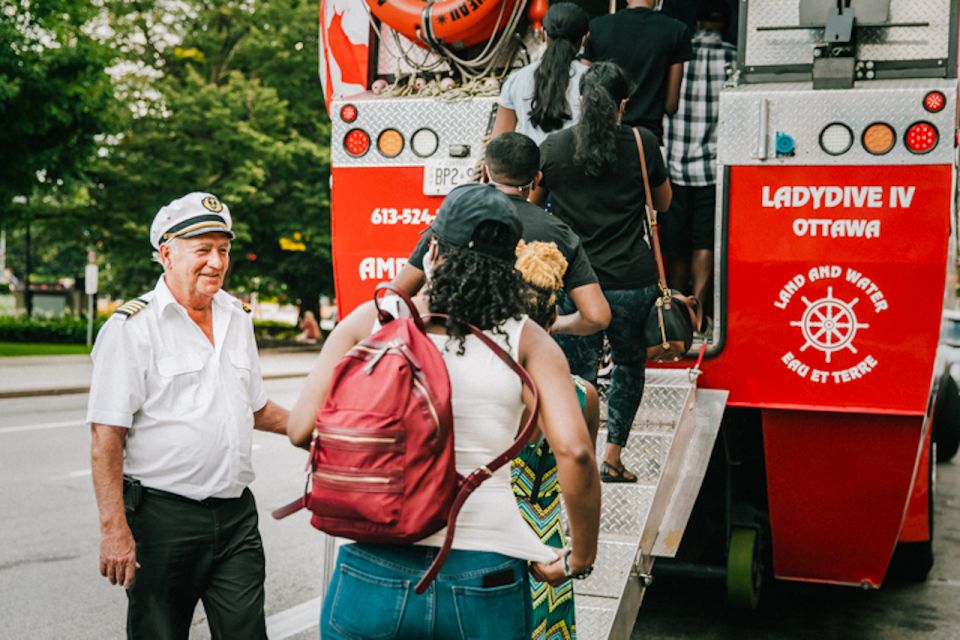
(946, 418)
(744, 569)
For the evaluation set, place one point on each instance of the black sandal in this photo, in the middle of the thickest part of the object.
(620, 473)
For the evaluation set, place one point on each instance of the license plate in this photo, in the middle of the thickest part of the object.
(440, 176)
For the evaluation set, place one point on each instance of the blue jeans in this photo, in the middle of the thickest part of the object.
(371, 596)
(629, 308)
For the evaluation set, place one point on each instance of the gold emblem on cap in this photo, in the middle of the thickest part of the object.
(212, 204)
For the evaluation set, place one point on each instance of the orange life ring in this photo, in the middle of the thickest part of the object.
(455, 23)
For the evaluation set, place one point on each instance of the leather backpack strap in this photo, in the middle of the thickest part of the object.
(303, 502)
(651, 215)
(384, 316)
(476, 478)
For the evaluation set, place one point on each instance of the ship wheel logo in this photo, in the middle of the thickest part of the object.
(829, 324)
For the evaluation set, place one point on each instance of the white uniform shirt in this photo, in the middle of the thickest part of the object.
(188, 404)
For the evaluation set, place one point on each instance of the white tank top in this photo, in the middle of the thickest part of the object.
(487, 406)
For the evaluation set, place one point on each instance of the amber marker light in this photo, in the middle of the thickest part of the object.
(879, 138)
(390, 143)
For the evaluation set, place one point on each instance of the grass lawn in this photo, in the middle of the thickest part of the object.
(40, 349)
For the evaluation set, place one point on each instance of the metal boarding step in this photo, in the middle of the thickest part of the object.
(669, 448)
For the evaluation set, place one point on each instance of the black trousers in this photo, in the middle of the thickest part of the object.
(189, 551)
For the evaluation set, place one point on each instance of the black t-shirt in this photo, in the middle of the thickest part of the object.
(606, 212)
(645, 44)
(538, 226)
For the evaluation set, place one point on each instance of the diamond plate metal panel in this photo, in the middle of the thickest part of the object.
(802, 113)
(661, 407)
(456, 122)
(709, 408)
(614, 563)
(669, 378)
(625, 508)
(795, 47)
(594, 616)
(644, 454)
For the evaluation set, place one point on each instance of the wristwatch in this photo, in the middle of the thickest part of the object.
(580, 575)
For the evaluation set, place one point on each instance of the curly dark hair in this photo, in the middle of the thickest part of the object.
(565, 24)
(471, 287)
(602, 87)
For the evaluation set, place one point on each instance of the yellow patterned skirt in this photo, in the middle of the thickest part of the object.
(538, 496)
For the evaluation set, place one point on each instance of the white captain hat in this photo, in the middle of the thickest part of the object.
(192, 215)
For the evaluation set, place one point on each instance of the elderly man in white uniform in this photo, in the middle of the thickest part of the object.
(175, 396)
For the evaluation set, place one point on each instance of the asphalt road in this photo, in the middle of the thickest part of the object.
(49, 584)
(50, 588)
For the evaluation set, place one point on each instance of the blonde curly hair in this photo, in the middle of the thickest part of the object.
(542, 266)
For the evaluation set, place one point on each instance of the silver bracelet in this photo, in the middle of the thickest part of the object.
(580, 575)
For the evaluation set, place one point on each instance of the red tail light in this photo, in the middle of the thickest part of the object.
(921, 137)
(934, 102)
(348, 113)
(356, 142)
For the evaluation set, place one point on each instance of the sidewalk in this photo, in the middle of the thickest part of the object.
(59, 375)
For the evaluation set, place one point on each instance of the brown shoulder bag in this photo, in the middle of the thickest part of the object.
(669, 326)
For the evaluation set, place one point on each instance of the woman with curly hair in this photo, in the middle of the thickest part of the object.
(535, 470)
(593, 175)
(482, 590)
(544, 96)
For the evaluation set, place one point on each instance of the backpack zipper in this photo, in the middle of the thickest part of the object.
(354, 479)
(433, 410)
(357, 439)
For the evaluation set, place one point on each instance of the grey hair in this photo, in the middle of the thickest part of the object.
(173, 243)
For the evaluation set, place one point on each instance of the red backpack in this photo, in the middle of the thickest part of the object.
(382, 467)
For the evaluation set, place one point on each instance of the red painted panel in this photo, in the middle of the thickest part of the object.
(834, 279)
(838, 486)
(376, 217)
(916, 524)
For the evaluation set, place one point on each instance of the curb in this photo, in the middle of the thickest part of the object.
(64, 391)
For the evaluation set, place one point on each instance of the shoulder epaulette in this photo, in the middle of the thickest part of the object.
(246, 307)
(131, 308)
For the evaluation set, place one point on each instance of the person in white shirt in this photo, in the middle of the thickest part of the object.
(544, 96)
(175, 395)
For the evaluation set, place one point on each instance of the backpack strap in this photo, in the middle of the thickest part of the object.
(384, 315)
(476, 478)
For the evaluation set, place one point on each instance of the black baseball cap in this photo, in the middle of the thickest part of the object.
(469, 205)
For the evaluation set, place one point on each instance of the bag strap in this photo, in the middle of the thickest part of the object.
(384, 316)
(477, 477)
(651, 217)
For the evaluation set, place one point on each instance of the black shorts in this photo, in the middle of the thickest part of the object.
(688, 225)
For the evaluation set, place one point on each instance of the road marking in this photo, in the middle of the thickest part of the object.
(77, 474)
(41, 427)
(294, 620)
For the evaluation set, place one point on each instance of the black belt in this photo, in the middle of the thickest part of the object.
(159, 493)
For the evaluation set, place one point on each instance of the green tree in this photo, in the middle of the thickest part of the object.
(224, 98)
(56, 99)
